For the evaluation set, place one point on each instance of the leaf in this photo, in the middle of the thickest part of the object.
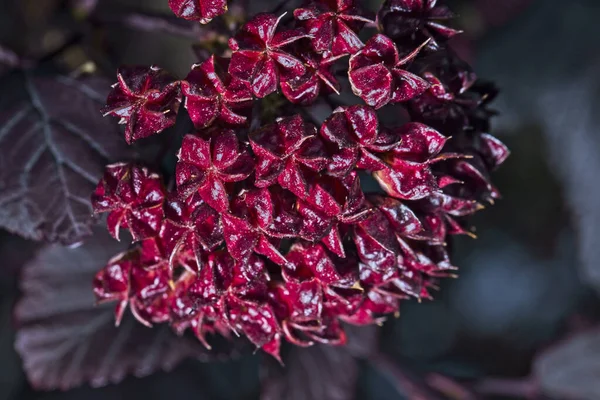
(54, 144)
(571, 369)
(65, 341)
(321, 372)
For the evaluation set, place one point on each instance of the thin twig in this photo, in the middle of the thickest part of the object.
(149, 22)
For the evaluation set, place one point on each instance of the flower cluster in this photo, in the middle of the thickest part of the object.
(266, 231)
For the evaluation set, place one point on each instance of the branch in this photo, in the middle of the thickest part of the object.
(149, 22)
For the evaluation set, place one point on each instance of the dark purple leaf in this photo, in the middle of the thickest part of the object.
(317, 372)
(54, 144)
(65, 341)
(571, 369)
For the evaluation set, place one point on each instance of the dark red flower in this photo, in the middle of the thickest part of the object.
(317, 80)
(206, 165)
(268, 232)
(376, 75)
(331, 206)
(187, 313)
(333, 26)
(259, 219)
(318, 287)
(284, 151)
(113, 281)
(133, 197)
(445, 108)
(150, 296)
(256, 321)
(298, 308)
(355, 132)
(238, 290)
(210, 94)
(259, 55)
(126, 280)
(456, 100)
(145, 99)
(409, 175)
(413, 21)
(190, 225)
(396, 266)
(198, 10)
(493, 151)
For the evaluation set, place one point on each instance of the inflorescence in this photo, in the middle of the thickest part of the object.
(266, 230)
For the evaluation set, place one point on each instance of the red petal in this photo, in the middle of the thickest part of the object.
(407, 86)
(373, 84)
(239, 235)
(214, 193)
(266, 79)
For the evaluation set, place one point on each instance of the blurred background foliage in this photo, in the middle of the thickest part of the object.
(525, 283)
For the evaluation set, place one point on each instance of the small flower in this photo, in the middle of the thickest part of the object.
(333, 26)
(145, 99)
(256, 321)
(211, 94)
(331, 207)
(150, 294)
(112, 282)
(202, 11)
(259, 219)
(206, 165)
(376, 75)
(355, 132)
(127, 280)
(409, 175)
(286, 151)
(133, 197)
(317, 80)
(190, 225)
(413, 21)
(259, 55)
